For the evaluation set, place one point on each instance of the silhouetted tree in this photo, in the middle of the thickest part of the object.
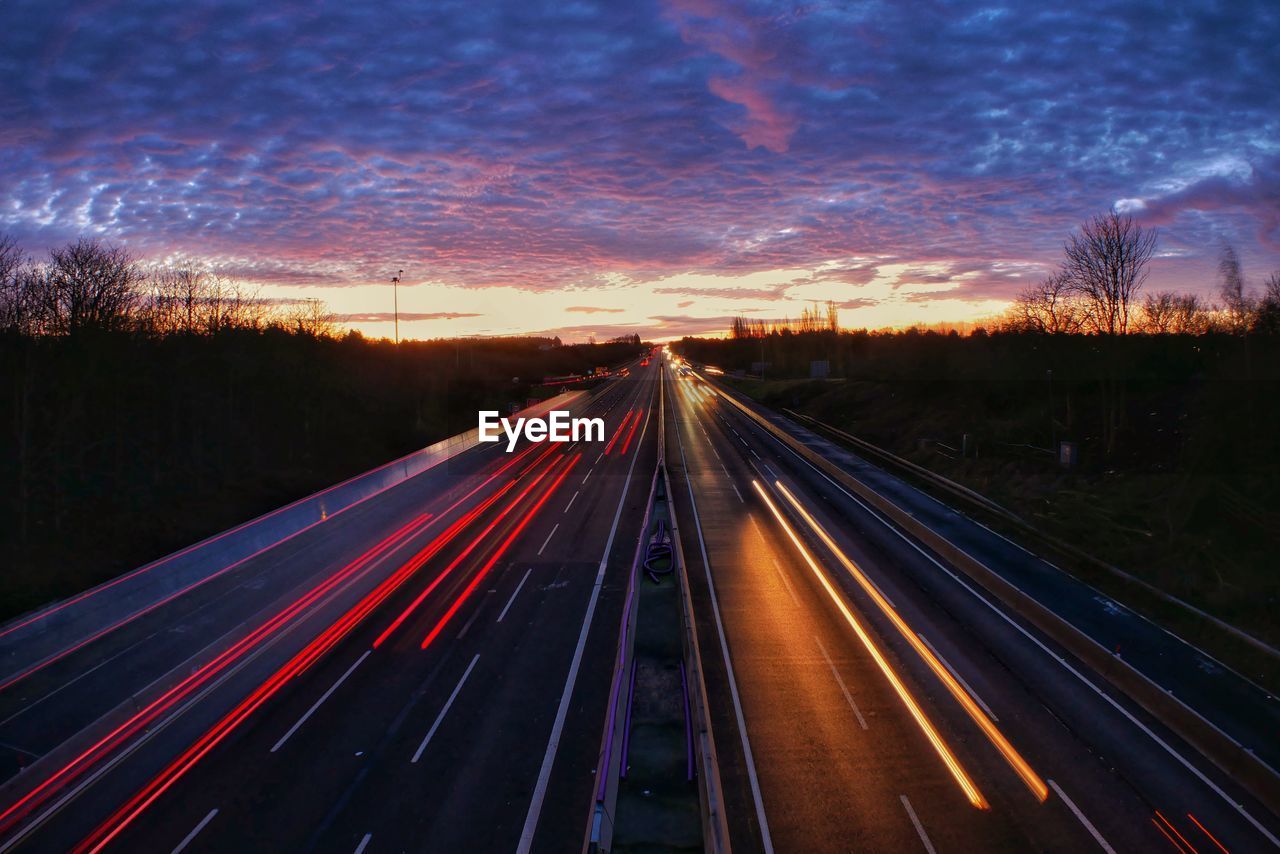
(87, 285)
(1106, 264)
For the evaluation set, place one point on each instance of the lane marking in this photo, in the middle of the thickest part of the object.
(462, 633)
(364, 843)
(840, 681)
(915, 820)
(515, 593)
(1182, 760)
(195, 831)
(737, 493)
(584, 480)
(754, 780)
(1088, 825)
(549, 536)
(571, 500)
(598, 459)
(311, 711)
(785, 582)
(772, 473)
(977, 698)
(440, 717)
(562, 711)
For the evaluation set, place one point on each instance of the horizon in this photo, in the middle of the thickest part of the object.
(658, 170)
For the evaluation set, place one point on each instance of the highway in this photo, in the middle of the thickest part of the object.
(820, 751)
(454, 701)
(430, 670)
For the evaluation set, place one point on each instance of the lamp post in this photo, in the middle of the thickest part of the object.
(395, 301)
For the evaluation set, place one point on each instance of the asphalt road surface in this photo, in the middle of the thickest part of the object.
(821, 752)
(429, 672)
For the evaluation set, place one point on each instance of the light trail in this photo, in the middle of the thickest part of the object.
(609, 447)
(296, 666)
(631, 435)
(493, 559)
(475, 543)
(984, 722)
(926, 726)
(170, 698)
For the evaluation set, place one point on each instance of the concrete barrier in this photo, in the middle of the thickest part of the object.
(30, 641)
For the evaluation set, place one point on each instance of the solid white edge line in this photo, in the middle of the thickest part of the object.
(311, 711)
(195, 831)
(516, 592)
(766, 839)
(364, 843)
(840, 681)
(444, 711)
(1088, 825)
(553, 743)
(915, 820)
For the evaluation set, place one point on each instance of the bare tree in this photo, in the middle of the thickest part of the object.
(1266, 318)
(311, 317)
(1050, 306)
(1238, 305)
(1106, 264)
(15, 290)
(88, 285)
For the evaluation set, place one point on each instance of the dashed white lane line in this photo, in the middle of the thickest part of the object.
(844, 689)
(959, 678)
(584, 480)
(737, 493)
(195, 831)
(571, 500)
(598, 459)
(1088, 825)
(516, 592)
(364, 843)
(773, 474)
(311, 711)
(754, 454)
(787, 584)
(911, 814)
(449, 702)
(549, 536)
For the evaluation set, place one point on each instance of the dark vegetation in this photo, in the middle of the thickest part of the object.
(1172, 402)
(146, 409)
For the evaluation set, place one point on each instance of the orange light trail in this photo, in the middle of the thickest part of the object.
(1206, 832)
(944, 752)
(988, 727)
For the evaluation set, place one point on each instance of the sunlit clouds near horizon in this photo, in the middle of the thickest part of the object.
(603, 169)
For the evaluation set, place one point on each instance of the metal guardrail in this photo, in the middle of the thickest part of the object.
(976, 499)
(1239, 762)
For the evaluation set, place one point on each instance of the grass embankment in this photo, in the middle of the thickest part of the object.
(123, 448)
(1179, 475)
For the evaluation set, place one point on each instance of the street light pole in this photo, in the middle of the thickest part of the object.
(395, 297)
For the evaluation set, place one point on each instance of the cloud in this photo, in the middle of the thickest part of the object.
(588, 309)
(543, 146)
(387, 316)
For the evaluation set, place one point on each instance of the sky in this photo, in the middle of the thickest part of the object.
(640, 167)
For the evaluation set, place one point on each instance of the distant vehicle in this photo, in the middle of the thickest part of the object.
(624, 373)
(644, 363)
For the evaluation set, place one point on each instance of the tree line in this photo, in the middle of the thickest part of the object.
(143, 408)
(1097, 290)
